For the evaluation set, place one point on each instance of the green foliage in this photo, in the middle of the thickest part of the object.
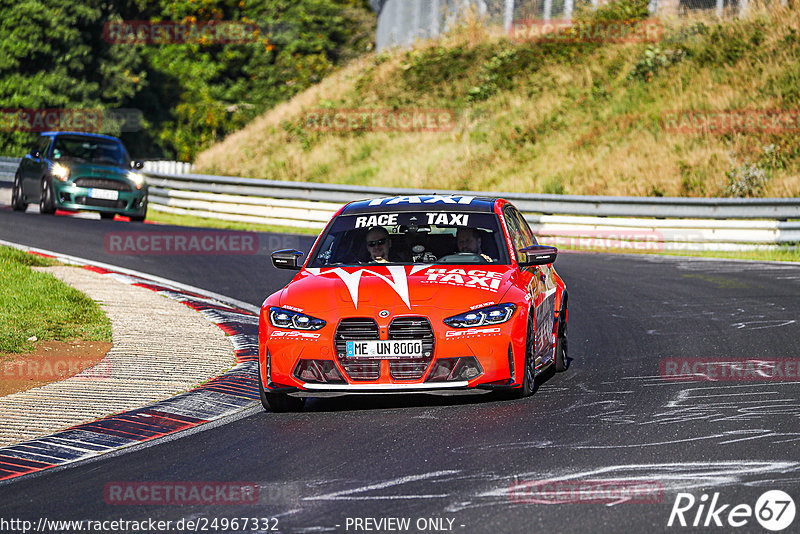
(554, 186)
(750, 179)
(746, 180)
(432, 69)
(617, 10)
(493, 72)
(653, 60)
(685, 34)
(53, 55)
(726, 44)
(692, 180)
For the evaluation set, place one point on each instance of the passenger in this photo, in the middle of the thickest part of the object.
(468, 241)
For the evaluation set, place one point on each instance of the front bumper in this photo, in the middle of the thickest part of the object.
(454, 389)
(69, 196)
(281, 359)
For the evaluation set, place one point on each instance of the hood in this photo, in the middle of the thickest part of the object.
(399, 288)
(96, 170)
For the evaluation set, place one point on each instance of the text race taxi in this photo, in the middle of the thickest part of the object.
(419, 294)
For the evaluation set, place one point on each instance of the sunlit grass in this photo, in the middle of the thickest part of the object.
(38, 305)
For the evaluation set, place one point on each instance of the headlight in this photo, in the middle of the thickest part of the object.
(136, 178)
(283, 318)
(496, 314)
(60, 172)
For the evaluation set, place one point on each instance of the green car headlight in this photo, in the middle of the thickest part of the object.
(60, 171)
(136, 178)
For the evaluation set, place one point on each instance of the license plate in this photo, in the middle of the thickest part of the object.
(406, 348)
(106, 194)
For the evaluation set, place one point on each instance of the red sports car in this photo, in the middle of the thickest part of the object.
(420, 294)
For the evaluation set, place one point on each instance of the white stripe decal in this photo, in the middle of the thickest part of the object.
(398, 281)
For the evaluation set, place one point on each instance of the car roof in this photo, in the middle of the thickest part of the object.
(458, 203)
(82, 134)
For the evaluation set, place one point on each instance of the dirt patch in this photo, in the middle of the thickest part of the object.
(52, 361)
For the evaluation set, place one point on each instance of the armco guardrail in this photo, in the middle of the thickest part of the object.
(581, 221)
(8, 166)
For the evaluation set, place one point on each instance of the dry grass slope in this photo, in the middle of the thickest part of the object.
(551, 118)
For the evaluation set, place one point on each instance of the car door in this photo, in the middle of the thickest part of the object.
(539, 282)
(33, 167)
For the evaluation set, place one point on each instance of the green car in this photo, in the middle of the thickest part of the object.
(80, 171)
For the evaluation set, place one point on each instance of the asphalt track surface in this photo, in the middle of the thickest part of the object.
(610, 416)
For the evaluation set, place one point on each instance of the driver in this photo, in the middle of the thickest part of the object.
(378, 244)
(468, 241)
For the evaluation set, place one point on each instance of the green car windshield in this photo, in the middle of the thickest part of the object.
(89, 150)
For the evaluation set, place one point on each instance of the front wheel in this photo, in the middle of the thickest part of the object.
(278, 402)
(281, 402)
(561, 340)
(16, 195)
(140, 218)
(529, 371)
(46, 201)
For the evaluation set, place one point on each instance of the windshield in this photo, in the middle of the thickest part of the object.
(411, 237)
(90, 150)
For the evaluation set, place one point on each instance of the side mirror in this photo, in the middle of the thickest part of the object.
(137, 164)
(287, 259)
(539, 255)
(35, 154)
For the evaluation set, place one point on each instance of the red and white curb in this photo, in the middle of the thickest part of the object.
(220, 397)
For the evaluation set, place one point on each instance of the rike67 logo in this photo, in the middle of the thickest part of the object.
(774, 510)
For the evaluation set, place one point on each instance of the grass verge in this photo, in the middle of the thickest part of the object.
(779, 254)
(38, 304)
(160, 217)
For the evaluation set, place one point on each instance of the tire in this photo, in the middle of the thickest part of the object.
(46, 201)
(106, 215)
(529, 373)
(560, 358)
(16, 195)
(278, 402)
(136, 218)
(140, 218)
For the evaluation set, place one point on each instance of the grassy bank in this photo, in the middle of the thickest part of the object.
(37, 304)
(571, 118)
(179, 219)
